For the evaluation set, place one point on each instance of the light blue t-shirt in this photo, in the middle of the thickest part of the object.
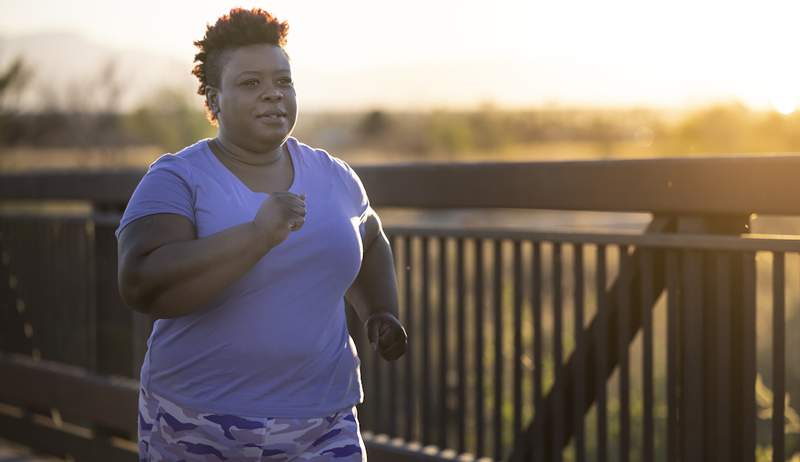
(274, 343)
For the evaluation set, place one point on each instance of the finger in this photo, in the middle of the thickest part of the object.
(287, 194)
(392, 341)
(296, 211)
(392, 336)
(291, 204)
(394, 330)
(393, 352)
(294, 225)
(291, 201)
(372, 333)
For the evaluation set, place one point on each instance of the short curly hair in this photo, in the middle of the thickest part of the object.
(238, 28)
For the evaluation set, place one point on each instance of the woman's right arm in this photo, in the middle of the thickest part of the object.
(165, 271)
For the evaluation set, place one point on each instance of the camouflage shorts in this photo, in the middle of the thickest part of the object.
(168, 432)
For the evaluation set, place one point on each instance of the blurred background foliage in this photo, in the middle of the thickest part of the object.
(88, 116)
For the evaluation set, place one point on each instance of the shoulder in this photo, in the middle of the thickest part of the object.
(337, 169)
(313, 155)
(178, 164)
(323, 160)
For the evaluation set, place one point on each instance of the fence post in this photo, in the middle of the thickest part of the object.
(715, 337)
(113, 317)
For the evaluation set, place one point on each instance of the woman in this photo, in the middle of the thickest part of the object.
(243, 248)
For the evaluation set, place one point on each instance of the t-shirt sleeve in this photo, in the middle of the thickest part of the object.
(164, 188)
(356, 194)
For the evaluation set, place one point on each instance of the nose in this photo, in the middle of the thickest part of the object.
(272, 94)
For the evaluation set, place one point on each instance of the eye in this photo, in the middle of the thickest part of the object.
(285, 81)
(252, 83)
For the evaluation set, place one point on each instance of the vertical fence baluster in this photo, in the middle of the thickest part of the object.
(580, 360)
(602, 354)
(443, 330)
(722, 363)
(623, 326)
(393, 388)
(646, 296)
(461, 314)
(673, 354)
(497, 307)
(558, 420)
(691, 396)
(425, 317)
(518, 404)
(778, 355)
(748, 352)
(536, 307)
(479, 309)
(409, 322)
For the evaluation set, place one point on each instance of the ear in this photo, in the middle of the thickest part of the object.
(212, 98)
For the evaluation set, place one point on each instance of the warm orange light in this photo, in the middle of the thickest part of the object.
(784, 105)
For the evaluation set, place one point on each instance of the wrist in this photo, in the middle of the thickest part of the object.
(258, 240)
(383, 313)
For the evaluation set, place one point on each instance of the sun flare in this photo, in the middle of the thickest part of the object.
(784, 105)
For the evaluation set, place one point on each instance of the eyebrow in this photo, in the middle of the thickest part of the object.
(283, 70)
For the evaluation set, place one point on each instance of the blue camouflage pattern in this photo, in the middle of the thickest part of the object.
(169, 432)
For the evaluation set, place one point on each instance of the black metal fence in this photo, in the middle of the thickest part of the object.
(519, 313)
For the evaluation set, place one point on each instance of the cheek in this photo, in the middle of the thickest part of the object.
(235, 103)
(291, 105)
(291, 99)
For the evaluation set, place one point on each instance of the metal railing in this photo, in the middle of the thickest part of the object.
(523, 345)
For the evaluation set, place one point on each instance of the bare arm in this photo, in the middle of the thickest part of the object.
(374, 293)
(165, 272)
(375, 287)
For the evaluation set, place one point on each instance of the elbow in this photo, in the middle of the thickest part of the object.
(152, 300)
(133, 291)
(133, 298)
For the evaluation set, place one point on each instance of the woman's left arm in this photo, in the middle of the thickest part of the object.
(374, 293)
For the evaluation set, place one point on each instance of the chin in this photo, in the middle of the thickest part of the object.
(271, 138)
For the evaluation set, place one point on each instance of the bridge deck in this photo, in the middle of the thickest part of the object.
(10, 452)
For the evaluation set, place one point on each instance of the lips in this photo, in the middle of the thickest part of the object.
(272, 115)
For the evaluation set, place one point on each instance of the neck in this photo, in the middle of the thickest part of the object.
(245, 156)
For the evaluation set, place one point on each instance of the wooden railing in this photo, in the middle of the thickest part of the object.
(523, 345)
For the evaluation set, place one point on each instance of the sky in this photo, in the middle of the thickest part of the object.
(449, 53)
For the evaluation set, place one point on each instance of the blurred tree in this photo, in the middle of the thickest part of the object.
(488, 128)
(169, 119)
(13, 81)
(449, 132)
(374, 124)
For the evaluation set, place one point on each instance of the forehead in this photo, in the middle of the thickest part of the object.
(263, 58)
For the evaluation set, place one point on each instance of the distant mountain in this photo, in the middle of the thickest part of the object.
(66, 66)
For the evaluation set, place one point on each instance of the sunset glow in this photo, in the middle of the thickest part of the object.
(466, 53)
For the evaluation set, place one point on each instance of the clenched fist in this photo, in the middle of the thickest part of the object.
(281, 213)
(387, 335)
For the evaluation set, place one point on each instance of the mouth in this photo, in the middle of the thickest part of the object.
(272, 115)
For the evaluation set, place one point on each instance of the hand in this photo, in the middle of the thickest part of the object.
(279, 214)
(387, 335)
